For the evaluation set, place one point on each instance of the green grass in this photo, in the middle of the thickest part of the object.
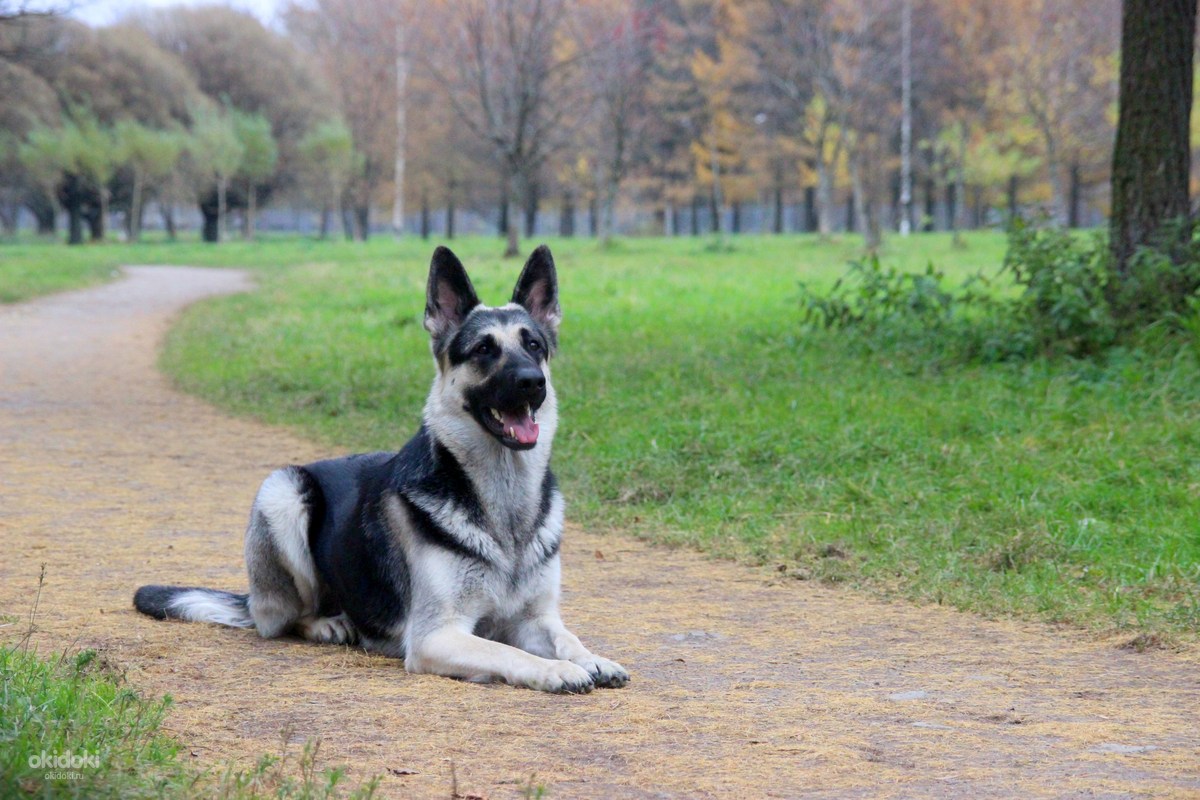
(79, 707)
(697, 411)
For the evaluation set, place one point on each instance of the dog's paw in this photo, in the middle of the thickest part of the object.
(605, 674)
(563, 677)
(329, 630)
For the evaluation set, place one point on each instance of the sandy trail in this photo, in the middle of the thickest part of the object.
(743, 686)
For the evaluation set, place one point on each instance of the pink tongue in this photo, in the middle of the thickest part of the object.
(520, 426)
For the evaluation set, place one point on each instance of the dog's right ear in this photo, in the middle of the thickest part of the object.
(449, 296)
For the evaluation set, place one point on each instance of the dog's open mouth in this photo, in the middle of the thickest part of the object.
(517, 429)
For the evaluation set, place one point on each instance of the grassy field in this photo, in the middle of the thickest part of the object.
(71, 727)
(697, 411)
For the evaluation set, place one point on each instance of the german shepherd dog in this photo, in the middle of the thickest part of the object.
(445, 554)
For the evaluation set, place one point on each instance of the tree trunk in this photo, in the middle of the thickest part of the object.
(566, 215)
(859, 200)
(249, 220)
(1074, 196)
(593, 217)
(906, 118)
(222, 208)
(450, 211)
(1152, 154)
(930, 215)
(777, 221)
(810, 210)
(670, 221)
(168, 216)
(135, 208)
(697, 202)
(71, 198)
(735, 217)
(401, 129)
(824, 199)
(425, 220)
(958, 220)
(608, 219)
(323, 228)
(512, 241)
(347, 218)
(1014, 185)
(362, 222)
(532, 202)
(211, 230)
(45, 213)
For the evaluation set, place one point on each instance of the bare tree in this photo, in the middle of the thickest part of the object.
(506, 67)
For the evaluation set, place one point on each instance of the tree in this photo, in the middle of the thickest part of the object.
(360, 47)
(329, 161)
(616, 70)
(260, 154)
(507, 67)
(1151, 157)
(216, 153)
(150, 155)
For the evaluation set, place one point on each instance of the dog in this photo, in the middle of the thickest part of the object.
(445, 554)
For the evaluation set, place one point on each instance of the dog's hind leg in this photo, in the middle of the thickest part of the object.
(285, 591)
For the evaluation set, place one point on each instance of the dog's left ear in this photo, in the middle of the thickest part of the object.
(537, 289)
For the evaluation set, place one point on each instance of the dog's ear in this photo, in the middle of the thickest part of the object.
(537, 289)
(449, 296)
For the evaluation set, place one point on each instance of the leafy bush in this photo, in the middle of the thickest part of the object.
(1070, 301)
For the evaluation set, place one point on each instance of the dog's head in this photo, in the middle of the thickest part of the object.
(493, 362)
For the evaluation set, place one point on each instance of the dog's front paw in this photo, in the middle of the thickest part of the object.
(604, 673)
(563, 677)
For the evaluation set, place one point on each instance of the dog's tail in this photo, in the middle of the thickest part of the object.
(194, 605)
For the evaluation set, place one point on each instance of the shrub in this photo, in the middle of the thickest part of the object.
(1070, 301)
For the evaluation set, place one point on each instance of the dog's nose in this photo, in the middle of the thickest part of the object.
(530, 380)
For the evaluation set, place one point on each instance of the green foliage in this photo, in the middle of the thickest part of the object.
(1065, 300)
(260, 153)
(1063, 308)
(214, 146)
(79, 705)
(150, 151)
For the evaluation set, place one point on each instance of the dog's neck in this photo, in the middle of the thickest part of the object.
(503, 478)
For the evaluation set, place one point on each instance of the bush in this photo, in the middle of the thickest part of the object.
(1070, 302)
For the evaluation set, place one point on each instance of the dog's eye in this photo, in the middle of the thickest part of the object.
(483, 349)
(534, 345)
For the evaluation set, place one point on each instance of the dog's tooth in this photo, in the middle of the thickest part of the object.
(496, 414)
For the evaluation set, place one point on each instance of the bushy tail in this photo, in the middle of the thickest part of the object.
(194, 605)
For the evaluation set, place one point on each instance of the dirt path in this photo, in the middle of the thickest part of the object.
(742, 686)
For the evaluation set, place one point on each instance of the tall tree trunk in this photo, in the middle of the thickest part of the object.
(362, 222)
(512, 241)
(45, 213)
(958, 219)
(608, 220)
(425, 221)
(851, 221)
(670, 222)
(697, 203)
(811, 222)
(566, 216)
(824, 199)
(906, 118)
(401, 127)
(1014, 186)
(222, 208)
(250, 220)
(735, 217)
(1152, 154)
(952, 211)
(168, 216)
(593, 217)
(930, 215)
(450, 192)
(1074, 196)
(347, 218)
(135, 207)
(859, 200)
(533, 200)
(777, 219)
(323, 228)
